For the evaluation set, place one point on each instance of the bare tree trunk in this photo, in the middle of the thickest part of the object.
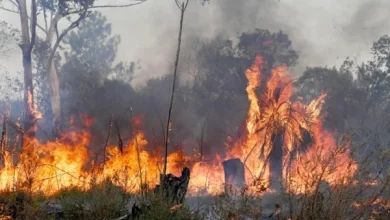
(182, 8)
(51, 69)
(27, 46)
(55, 100)
(54, 84)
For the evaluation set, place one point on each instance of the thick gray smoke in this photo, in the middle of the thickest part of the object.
(324, 32)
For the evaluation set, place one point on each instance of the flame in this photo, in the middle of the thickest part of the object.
(55, 165)
(273, 113)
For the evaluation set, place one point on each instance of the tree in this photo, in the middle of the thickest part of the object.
(340, 89)
(53, 12)
(276, 47)
(89, 63)
(26, 45)
(219, 83)
(359, 104)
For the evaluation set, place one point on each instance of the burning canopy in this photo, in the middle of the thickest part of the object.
(284, 143)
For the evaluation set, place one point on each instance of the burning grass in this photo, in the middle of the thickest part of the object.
(316, 176)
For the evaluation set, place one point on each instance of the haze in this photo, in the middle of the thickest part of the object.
(325, 32)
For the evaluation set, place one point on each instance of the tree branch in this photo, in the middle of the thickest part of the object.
(62, 35)
(9, 10)
(118, 6)
(17, 12)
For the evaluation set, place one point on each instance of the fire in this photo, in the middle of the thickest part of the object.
(274, 121)
(274, 115)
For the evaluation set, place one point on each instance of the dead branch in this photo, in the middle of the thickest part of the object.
(120, 141)
(119, 6)
(182, 10)
(107, 139)
(17, 12)
(137, 150)
(9, 10)
(14, 125)
(202, 137)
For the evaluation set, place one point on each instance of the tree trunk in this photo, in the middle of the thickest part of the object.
(30, 114)
(54, 84)
(276, 161)
(29, 119)
(55, 99)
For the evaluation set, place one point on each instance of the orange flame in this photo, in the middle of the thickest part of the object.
(52, 166)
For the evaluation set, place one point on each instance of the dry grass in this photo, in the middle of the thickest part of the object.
(364, 195)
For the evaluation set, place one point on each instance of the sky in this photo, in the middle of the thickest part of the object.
(325, 32)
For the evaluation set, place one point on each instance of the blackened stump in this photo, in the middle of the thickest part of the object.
(234, 173)
(175, 188)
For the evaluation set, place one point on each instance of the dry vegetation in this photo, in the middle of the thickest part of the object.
(362, 196)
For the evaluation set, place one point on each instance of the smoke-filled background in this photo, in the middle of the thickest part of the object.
(123, 57)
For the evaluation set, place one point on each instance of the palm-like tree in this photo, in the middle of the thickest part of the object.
(277, 127)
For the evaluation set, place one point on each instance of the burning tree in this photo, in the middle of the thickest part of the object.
(277, 125)
(280, 131)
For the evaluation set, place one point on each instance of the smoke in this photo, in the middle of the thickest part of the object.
(369, 21)
(324, 32)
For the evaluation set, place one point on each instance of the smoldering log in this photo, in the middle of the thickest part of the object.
(234, 173)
